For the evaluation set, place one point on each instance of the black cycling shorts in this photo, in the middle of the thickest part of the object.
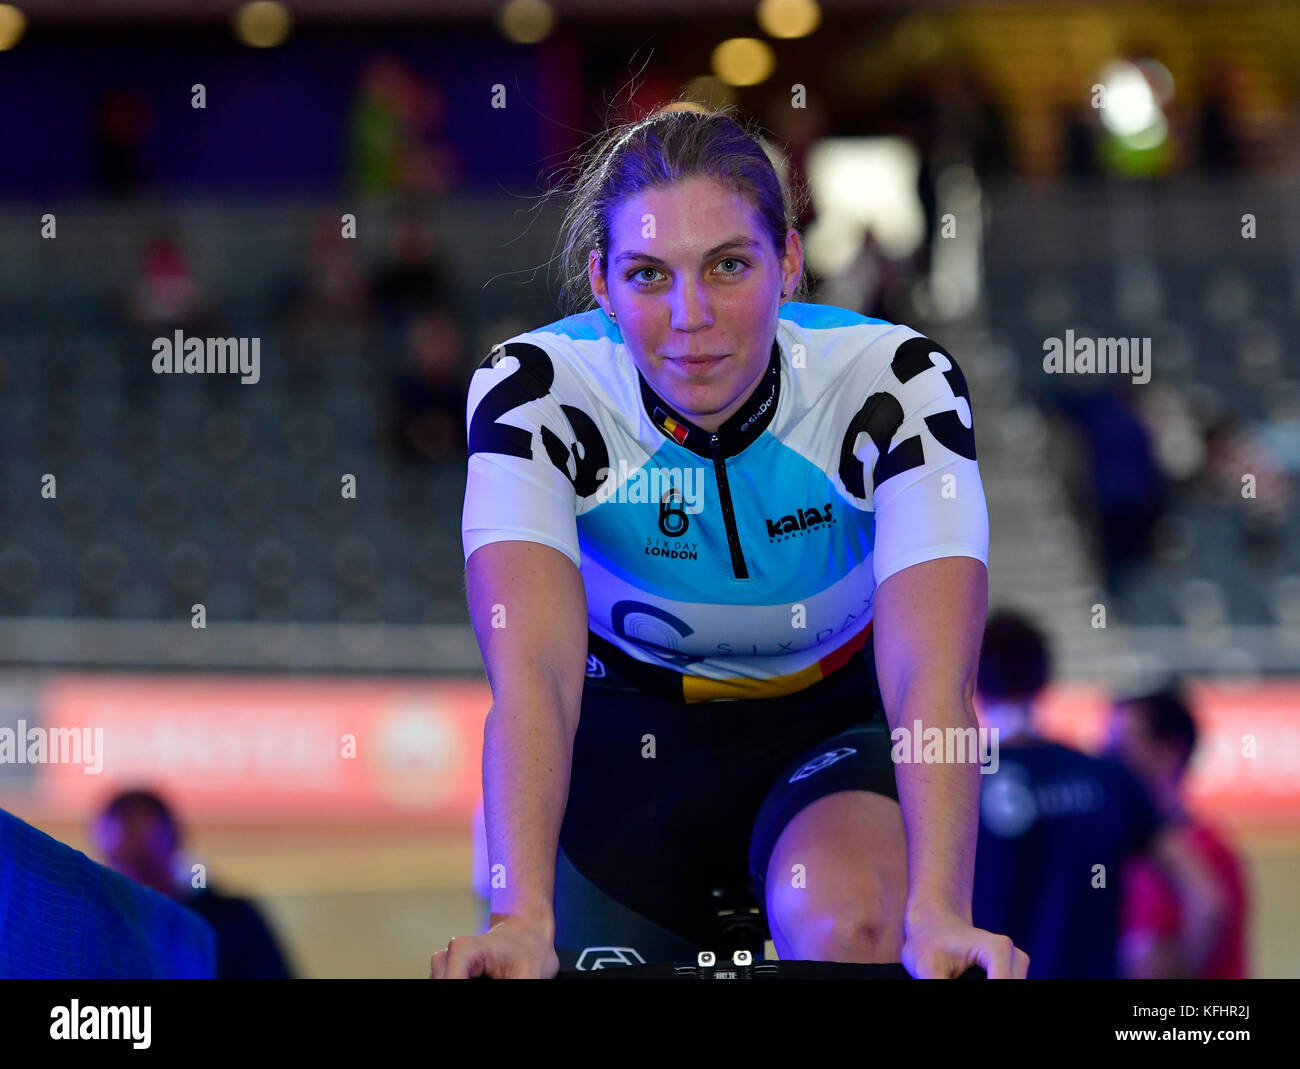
(674, 808)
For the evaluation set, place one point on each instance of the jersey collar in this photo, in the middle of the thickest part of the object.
(742, 428)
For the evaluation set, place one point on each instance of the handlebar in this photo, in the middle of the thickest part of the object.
(762, 970)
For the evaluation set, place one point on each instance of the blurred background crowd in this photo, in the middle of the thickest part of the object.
(365, 189)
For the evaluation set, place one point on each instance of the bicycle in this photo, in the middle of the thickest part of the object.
(740, 924)
(743, 967)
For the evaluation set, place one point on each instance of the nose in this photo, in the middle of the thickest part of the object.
(690, 308)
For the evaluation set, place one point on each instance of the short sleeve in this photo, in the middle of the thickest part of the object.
(518, 435)
(919, 456)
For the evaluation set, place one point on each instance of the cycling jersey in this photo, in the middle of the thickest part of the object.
(741, 563)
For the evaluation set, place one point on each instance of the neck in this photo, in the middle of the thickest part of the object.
(1168, 800)
(723, 433)
(715, 420)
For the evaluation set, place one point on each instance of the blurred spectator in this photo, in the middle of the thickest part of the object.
(138, 836)
(121, 123)
(1281, 432)
(952, 121)
(409, 281)
(798, 130)
(968, 128)
(872, 284)
(1243, 472)
(915, 111)
(1185, 908)
(323, 308)
(1174, 426)
(1126, 486)
(1055, 825)
(167, 293)
(329, 287)
(392, 132)
(1079, 132)
(1223, 147)
(428, 394)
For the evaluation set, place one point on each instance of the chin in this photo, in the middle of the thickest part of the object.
(702, 400)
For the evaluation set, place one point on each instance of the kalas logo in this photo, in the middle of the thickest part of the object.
(803, 520)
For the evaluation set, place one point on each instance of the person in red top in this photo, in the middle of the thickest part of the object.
(1185, 906)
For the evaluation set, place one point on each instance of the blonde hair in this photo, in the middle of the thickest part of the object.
(679, 140)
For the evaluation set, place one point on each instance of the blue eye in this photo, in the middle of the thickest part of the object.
(633, 276)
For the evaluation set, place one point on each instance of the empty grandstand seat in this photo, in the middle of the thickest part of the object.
(1284, 600)
(1200, 603)
(314, 600)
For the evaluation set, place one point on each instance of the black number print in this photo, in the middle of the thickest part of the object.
(882, 414)
(532, 381)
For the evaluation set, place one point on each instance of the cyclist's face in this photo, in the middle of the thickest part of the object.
(694, 284)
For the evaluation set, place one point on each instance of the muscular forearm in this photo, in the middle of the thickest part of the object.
(527, 758)
(940, 805)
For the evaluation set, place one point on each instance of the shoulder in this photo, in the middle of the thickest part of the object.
(822, 317)
(1069, 760)
(579, 360)
(232, 910)
(844, 357)
(1125, 787)
(587, 346)
(842, 338)
(833, 340)
(1214, 846)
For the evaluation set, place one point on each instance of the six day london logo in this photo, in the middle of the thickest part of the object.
(675, 508)
(673, 523)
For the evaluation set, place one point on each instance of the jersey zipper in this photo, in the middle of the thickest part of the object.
(728, 516)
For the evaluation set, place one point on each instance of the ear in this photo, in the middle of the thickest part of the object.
(792, 261)
(596, 276)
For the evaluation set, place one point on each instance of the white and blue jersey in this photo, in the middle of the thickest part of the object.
(741, 563)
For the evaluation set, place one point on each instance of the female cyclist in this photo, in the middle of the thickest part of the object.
(719, 542)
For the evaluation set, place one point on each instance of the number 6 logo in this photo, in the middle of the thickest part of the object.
(673, 520)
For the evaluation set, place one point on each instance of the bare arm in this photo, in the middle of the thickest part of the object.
(1204, 907)
(529, 611)
(929, 622)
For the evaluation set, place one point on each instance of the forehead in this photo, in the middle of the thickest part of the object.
(695, 212)
(132, 820)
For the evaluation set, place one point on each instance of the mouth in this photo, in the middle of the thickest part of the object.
(700, 363)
